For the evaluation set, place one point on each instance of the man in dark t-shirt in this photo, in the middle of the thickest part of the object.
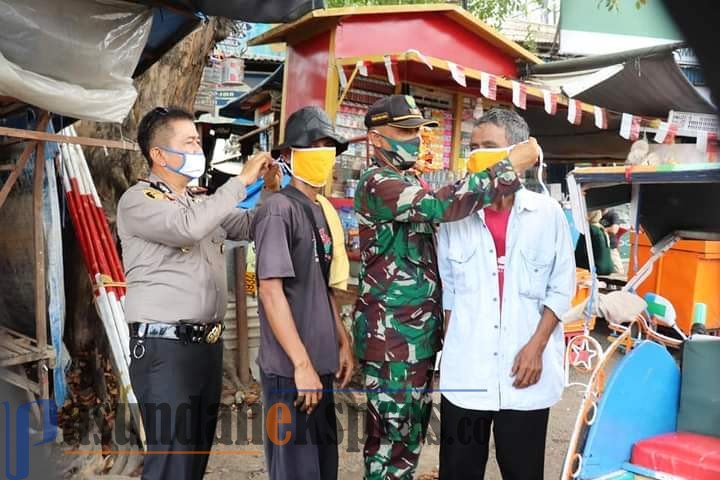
(303, 343)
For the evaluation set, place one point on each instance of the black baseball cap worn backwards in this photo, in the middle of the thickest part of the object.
(306, 126)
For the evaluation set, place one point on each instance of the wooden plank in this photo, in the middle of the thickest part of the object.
(40, 277)
(52, 137)
(13, 348)
(24, 383)
(15, 174)
(15, 336)
(27, 357)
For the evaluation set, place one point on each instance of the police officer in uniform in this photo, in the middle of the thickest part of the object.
(172, 242)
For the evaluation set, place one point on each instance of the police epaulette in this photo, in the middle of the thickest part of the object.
(160, 186)
(196, 191)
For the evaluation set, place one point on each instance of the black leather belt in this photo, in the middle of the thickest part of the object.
(184, 332)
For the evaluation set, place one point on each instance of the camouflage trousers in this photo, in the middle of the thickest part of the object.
(399, 407)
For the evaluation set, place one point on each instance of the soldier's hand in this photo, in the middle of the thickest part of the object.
(255, 167)
(347, 364)
(309, 388)
(525, 155)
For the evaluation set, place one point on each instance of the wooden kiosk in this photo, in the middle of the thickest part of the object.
(344, 59)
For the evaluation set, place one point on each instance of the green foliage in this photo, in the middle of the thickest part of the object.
(493, 11)
(614, 5)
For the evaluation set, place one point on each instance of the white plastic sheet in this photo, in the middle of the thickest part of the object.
(73, 57)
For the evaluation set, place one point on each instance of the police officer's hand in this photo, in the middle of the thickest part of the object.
(255, 167)
(525, 155)
(309, 388)
(273, 178)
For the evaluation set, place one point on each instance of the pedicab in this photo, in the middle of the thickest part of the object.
(655, 412)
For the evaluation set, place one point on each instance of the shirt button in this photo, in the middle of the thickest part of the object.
(495, 354)
(494, 274)
(496, 327)
(495, 299)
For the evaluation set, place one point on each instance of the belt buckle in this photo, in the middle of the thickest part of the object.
(213, 335)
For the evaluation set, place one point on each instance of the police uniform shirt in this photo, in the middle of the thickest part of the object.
(172, 248)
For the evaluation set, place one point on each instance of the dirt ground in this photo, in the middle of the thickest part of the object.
(250, 465)
(238, 450)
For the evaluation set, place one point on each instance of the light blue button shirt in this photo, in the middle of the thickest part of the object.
(481, 343)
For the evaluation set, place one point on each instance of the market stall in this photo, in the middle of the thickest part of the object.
(454, 65)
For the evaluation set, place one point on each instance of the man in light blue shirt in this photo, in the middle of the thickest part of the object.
(508, 274)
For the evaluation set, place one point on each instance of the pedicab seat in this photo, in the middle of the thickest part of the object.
(686, 455)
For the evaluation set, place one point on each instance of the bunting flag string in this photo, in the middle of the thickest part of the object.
(519, 94)
(630, 127)
(458, 73)
(551, 101)
(488, 86)
(601, 119)
(574, 112)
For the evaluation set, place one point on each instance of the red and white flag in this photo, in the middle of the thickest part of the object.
(488, 85)
(391, 69)
(630, 127)
(422, 57)
(666, 133)
(458, 73)
(342, 77)
(574, 112)
(519, 97)
(551, 100)
(601, 120)
(362, 67)
(707, 143)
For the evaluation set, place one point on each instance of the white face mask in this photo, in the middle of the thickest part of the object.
(193, 165)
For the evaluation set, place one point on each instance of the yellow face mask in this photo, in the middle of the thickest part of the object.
(312, 165)
(484, 158)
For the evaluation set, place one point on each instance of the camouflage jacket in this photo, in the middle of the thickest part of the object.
(398, 315)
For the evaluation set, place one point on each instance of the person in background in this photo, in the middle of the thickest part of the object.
(508, 275)
(304, 347)
(172, 239)
(397, 327)
(600, 246)
(611, 221)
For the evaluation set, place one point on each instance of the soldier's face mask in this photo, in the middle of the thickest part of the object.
(402, 154)
(193, 164)
(312, 165)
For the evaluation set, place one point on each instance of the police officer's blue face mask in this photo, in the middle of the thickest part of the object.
(193, 164)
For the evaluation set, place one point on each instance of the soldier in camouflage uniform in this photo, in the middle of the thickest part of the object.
(398, 320)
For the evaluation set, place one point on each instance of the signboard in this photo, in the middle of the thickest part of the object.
(236, 44)
(690, 123)
(587, 27)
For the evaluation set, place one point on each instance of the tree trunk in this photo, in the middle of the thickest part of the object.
(173, 80)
